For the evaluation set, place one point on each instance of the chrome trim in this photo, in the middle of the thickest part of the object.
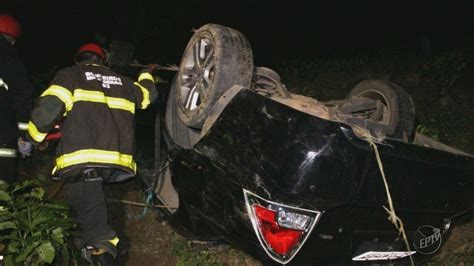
(382, 255)
(263, 243)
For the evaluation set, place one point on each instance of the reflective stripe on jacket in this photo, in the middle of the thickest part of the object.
(7, 153)
(97, 109)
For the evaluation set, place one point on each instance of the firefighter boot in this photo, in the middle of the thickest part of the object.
(104, 259)
(102, 253)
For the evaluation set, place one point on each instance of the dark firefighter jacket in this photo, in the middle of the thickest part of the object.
(16, 100)
(97, 109)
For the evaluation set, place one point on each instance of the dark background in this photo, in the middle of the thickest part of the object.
(53, 29)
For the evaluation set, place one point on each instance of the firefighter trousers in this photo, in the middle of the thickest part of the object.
(86, 199)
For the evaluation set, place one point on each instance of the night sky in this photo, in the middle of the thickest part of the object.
(53, 29)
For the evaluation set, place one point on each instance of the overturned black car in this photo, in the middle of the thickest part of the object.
(290, 179)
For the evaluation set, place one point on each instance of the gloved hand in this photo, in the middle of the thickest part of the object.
(43, 145)
(151, 67)
(24, 147)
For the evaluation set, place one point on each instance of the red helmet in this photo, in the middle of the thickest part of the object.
(10, 26)
(92, 47)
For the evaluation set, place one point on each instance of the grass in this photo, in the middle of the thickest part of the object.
(463, 253)
(192, 254)
(217, 253)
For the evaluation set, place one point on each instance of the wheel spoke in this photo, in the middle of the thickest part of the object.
(194, 101)
(206, 83)
(196, 52)
(189, 95)
(209, 57)
(202, 50)
(208, 71)
(187, 80)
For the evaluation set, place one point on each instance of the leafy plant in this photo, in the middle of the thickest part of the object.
(32, 230)
(430, 132)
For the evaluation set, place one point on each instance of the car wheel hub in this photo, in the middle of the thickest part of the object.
(198, 72)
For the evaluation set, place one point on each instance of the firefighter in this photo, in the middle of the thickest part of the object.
(96, 109)
(16, 100)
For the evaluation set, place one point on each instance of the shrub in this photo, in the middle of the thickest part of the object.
(33, 230)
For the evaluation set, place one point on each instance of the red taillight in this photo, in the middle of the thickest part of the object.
(281, 229)
(281, 240)
(265, 215)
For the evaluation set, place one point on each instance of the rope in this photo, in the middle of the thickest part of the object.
(138, 204)
(390, 210)
(148, 203)
(149, 198)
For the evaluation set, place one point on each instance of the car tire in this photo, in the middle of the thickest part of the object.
(399, 116)
(215, 59)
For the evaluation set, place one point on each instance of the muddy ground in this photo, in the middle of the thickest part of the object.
(149, 240)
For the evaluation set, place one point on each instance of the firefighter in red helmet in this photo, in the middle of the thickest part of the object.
(15, 99)
(97, 109)
(10, 26)
(90, 48)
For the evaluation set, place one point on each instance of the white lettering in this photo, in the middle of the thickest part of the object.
(423, 243)
(430, 240)
(105, 81)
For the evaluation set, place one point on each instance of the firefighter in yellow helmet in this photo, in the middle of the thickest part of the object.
(96, 107)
